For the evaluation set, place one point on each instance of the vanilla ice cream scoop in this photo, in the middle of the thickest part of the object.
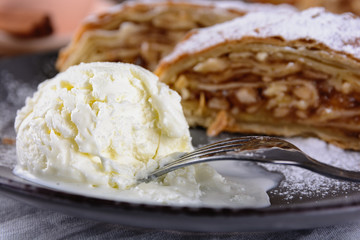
(101, 124)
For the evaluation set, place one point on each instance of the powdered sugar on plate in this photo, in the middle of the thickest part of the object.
(302, 183)
(13, 95)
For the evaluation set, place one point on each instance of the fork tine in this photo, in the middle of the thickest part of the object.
(218, 147)
(227, 141)
(239, 144)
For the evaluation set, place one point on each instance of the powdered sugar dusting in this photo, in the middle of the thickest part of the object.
(303, 183)
(338, 32)
(13, 95)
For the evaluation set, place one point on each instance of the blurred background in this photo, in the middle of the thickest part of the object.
(42, 25)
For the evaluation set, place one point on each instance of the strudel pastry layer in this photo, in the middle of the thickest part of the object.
(280, 74)
(142, 32)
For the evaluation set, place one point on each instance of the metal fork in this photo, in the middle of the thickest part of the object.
(254, 148)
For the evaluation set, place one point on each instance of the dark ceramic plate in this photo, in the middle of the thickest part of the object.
(302, 200)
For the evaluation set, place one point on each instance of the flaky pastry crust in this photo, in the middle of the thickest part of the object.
(279, 74)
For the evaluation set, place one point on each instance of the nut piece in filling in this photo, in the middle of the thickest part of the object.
(272, 74)
(97, 127)
(142, 32)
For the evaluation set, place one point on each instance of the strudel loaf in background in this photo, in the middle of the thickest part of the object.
(142, 32)
(289, 73)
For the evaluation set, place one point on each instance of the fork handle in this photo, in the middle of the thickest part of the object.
(299, 159)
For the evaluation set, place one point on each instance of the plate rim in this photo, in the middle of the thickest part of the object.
(181, 218)
(27, 187)
(335, 206)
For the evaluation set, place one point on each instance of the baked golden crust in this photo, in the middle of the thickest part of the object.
(279, 74)
(142, 32)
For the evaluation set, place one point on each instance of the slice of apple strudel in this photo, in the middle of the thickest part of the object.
(279, 74)
(142, 32)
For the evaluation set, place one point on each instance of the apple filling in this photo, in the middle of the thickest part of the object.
(277, 87)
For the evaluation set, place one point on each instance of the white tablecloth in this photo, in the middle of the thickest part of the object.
(21, 221)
